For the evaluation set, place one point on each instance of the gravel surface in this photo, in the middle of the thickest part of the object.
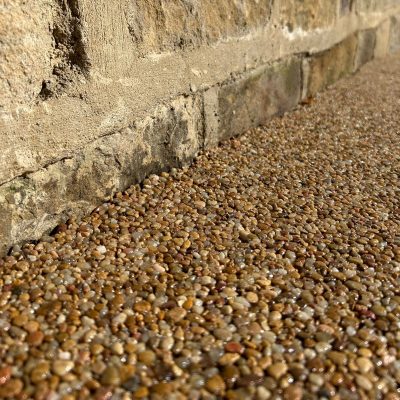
(270, 269)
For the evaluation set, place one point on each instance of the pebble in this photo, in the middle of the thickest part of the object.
(111, 376)
(234, 347)
(177, 314)
(5, 374)
(141, 393)
(293, 392)
(252, 297)
(61, 367)
(167, 343)
(40, 372)
(11, 389)
(229, 358)
(223, 334)
(35, 338)
(316, 379)
(364, 364)
(277, 370)
(216, 385)
(263, 393)
(364, 382)
(147, 357)
(337, 357)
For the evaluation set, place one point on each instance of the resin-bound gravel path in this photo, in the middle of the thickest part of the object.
(269, 269)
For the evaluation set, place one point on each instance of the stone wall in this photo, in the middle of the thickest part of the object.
(98, 94)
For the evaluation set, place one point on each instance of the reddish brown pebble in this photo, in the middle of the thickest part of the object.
(5, 374)
(35, 338)
(234, 347)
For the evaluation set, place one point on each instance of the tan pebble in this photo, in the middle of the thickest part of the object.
(229, 358)
(199, 204)
(230, 373)
(188, 304)
(40, 372)
(364, 352)
(167, 343)
(130, 348)
(293, 392)
(141, 392)
(96, 348)
(215, 384)
(177, 314)
(31, 326)
(11, 389)
(337, 357)
(127, 371)
(316, 379)
(62, 367)
(186, 244)
(117, 348)
(337, 378)
(277, 370)
(20, 320)
(252, 297)
(118, 301)
(364, 364)
(264, 282)
(379, 310)
(103, 393)
(275, 316)
(263, 393)
(147, 357)
(326, 328)
(364, 382)
(111, 376)
(162, 389)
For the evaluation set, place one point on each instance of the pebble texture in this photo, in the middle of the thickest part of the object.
(269, 269)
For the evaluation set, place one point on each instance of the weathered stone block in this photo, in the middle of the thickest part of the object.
(165, 25)
(345, 6)
(394, 41)
(366, 47)
(35, 203)
(331, 65)
(25, 50)
(307, 14)
(363, 6)
(253, 99)
(115, 61)
(382, 39)
(41, 51)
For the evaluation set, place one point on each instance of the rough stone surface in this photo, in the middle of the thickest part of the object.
(329, 66)
(158, 26)
(345, 6)
(41, 51)
(366, 47)
(382, 39)
(307, 14)
(394, 44)
(25, 49)
(253, 99)
(34, 203)
(79, 73)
